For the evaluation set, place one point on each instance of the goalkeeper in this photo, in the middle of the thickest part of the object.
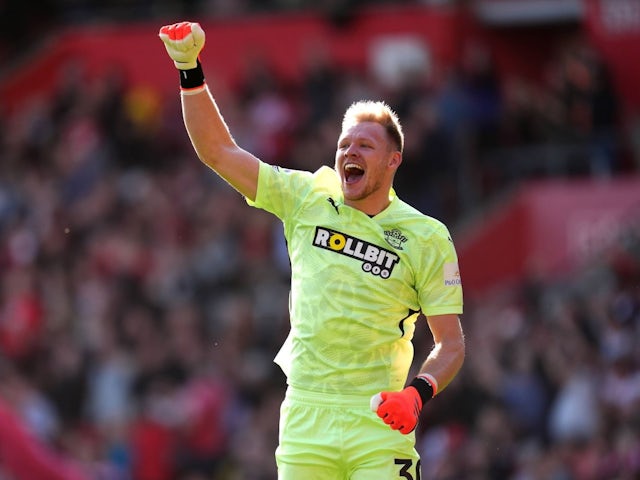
(364, 264)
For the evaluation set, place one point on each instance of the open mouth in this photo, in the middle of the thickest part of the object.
(353, 172)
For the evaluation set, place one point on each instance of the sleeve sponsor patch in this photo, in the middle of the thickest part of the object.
(452, 274)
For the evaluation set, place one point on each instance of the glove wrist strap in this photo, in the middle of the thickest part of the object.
(192, 79)
(424, 387)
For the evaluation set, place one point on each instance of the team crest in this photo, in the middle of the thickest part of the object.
(395, 238)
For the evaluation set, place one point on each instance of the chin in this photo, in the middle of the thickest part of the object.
(354, 191)
(350, 193)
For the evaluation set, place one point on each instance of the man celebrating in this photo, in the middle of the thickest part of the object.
(364, 265)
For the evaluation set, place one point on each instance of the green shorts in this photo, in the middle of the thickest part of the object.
(329, 437)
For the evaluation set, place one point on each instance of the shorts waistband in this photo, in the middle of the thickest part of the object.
(326, 399)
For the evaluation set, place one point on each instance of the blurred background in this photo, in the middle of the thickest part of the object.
(142, 301)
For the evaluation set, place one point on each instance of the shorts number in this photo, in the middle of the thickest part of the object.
(406, 465)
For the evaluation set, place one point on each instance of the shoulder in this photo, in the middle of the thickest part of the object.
(286, 192)
(420, 224)
(326, 178)
(321, 183)
(323, 177)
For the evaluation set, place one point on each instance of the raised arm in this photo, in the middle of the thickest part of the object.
(214, 145)
(209, 134)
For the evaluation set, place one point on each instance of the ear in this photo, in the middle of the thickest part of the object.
(395, 160)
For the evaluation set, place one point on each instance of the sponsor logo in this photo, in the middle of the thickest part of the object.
(375, 260)
(334, 204)
(395, 238)
(452, 275)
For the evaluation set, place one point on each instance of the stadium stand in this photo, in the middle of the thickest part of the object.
(141, 301)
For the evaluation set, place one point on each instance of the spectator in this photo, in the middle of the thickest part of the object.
(101, 249)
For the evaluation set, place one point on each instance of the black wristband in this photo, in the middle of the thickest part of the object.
(193, 78)
(423, 387)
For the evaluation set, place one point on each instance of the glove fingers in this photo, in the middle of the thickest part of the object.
(183, 42)
(386, 405)
(183, 35)
(182, 30)
(170, 31)
(198, 34)
(395, 413)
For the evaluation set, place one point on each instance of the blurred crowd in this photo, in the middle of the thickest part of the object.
(551, 389)
(23, 25)
(142, 300)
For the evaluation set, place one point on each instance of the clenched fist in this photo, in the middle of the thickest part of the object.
(183, 42)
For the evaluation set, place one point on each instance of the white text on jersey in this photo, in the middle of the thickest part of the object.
(376, 260)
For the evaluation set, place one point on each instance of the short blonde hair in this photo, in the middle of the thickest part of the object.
(378, 112)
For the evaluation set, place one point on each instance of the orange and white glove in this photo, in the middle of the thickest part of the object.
(184, 42)
(401, 410)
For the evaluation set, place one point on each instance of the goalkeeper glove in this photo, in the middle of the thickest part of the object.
(401, 410)
(183, 42)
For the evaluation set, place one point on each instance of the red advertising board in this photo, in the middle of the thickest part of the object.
(546, 229)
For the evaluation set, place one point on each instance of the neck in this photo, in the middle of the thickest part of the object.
(371, 208)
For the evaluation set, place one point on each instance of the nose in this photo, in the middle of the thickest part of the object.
(350, 150)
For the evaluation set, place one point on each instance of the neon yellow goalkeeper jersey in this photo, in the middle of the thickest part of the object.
(357, 283)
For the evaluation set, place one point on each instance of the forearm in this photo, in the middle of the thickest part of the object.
(447, 356)
(401, 410)
(205, 126)
(214, 145)
(444, 362)
(208, 132)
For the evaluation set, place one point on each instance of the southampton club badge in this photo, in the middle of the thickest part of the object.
(395, 238)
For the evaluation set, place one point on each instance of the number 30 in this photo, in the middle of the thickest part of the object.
(406, 465)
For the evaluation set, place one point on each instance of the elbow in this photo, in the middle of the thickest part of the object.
(208, 156)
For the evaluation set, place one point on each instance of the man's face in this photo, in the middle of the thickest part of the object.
(366, 160)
